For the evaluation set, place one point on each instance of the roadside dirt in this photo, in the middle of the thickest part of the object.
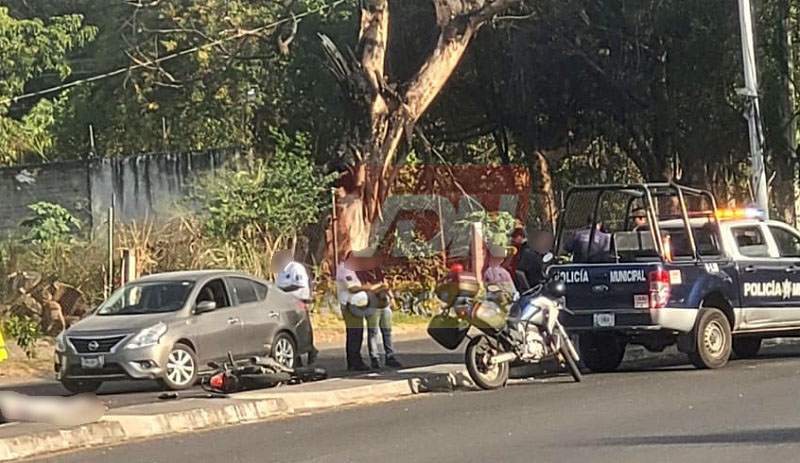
(20, 368)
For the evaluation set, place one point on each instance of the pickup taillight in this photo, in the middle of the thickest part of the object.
(659, 283)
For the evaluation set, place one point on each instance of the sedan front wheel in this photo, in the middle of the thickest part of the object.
(180, 372)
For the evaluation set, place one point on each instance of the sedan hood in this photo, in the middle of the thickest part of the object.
(118, 324)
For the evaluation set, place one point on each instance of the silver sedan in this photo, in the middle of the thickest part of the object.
(168, 327)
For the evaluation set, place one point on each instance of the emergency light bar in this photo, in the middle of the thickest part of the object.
(740, 213)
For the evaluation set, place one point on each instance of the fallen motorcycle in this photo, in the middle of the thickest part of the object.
(528, 333)
(256, 373)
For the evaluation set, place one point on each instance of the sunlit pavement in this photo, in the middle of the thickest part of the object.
(663, 410)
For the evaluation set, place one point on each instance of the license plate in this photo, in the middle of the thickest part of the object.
(604, 319)
(92, 363)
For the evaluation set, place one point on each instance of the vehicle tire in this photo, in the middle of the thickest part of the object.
(746, 347)
(284, 350)
(569, 362)
(601, 353)
(76, 386)
(712, 340)
(478, 351)
(180, 372)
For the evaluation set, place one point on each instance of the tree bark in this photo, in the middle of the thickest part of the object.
(544, 199)
(381, 114)
(785, 185)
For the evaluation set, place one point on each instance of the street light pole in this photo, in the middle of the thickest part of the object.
(752, 109)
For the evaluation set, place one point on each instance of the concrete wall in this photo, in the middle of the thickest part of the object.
(147, 186)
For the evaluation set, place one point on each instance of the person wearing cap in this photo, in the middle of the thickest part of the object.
(293, 279)
(292, 276)
(498, 276)
(638, 218)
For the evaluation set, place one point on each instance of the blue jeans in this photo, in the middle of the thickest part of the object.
(381, 320)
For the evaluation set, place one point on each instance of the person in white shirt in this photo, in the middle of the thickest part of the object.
(354, 302)
(293, 279)
(292, 276)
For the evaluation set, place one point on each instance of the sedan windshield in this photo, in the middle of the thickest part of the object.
(146, 298)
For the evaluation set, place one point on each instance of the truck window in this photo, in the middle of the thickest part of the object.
(787, 241)
(750, 241)
(705, 239)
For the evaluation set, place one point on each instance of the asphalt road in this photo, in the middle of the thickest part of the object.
(745, 412)
(421, 352)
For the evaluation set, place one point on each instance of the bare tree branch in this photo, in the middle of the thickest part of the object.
(462, 18)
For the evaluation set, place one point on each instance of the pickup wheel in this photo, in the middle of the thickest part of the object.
(746, 347)
(712, 340)
(601, 353)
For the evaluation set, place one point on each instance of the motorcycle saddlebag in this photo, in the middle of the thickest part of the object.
(448, 331)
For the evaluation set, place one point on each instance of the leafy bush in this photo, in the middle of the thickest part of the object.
(50, 223)
(24, 331)
(496, 225)
(253, 212)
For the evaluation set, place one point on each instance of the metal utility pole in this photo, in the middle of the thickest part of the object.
(752, 110)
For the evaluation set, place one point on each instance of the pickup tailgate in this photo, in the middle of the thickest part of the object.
(606, 287)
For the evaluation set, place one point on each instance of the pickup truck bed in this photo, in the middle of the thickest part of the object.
(618, 296)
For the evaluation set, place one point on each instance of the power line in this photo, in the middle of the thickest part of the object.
(116, 72)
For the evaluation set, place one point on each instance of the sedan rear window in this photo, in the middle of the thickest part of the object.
(147, 298)
(244, 289)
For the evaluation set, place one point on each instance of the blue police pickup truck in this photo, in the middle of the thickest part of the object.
(659, 264)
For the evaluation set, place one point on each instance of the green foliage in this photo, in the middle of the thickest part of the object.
(50, 223)
(29, 48)
(25, 331)
(496, 225)
(222, 95)
(271, 201)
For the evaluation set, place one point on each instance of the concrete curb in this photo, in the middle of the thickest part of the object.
(135, 426)
(168, 418)
(90, 435)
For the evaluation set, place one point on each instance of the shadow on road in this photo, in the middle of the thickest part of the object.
(768, 436)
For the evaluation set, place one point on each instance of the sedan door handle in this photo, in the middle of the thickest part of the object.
(791, 269)
(273, 314)
(233, 321)
(750, 269)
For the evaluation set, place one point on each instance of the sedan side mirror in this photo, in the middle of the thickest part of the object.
(205, 306)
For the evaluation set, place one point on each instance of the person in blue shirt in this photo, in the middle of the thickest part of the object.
(585, 252)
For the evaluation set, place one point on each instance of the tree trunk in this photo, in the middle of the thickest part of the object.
(785, 186)
(380, 115)
(544, 199)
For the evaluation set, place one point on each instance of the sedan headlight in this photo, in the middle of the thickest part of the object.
(147, 337)
(61, 343)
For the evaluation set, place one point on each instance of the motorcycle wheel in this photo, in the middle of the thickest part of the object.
(479, 351)
(569, 362)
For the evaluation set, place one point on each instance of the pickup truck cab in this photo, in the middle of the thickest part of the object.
(659, 264)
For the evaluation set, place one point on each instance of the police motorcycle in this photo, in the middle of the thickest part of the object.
(527, 333)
